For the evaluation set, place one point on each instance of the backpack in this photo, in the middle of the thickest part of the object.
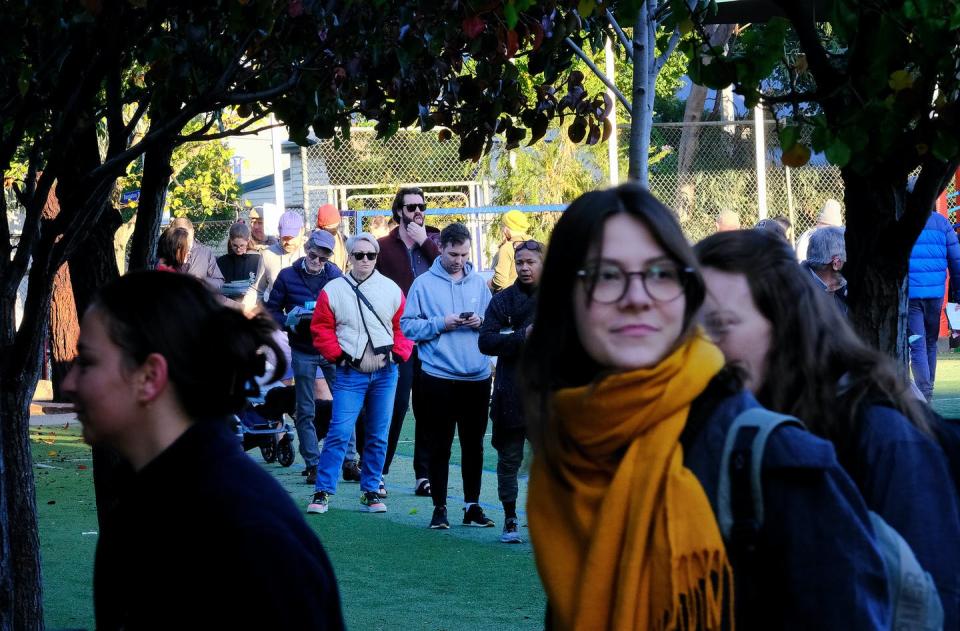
(914, 601)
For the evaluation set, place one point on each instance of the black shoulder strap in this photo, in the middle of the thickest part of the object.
(356, 290)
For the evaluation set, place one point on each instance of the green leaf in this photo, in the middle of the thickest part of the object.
(944, 147)
(838, 153)
(788, 137)
(510, 15)
(821, 139)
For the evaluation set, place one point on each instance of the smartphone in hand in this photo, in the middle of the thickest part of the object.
(466, 315)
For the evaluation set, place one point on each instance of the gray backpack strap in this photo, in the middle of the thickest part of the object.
(764, 422)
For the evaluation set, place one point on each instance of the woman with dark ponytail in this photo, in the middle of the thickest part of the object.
(161, 367)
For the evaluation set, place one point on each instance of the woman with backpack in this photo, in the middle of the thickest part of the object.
(804, 359)
(629, 405)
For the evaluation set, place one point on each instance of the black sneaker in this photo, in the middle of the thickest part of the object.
(474, 516)
(311, 475)
(439, 521)
(351, 472)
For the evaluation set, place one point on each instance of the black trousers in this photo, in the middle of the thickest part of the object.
(408, 377)
(449, 405)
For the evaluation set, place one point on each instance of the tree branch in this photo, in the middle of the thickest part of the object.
(827, 77)
(627, 46)
(599, 73)
(142, 106)
(240, 130)
(671, 46)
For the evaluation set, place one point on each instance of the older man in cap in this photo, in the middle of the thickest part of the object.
(201, 262)
(513, 231)
(276, 257)
(291, 302)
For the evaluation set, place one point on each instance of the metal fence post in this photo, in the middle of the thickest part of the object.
(761, 148)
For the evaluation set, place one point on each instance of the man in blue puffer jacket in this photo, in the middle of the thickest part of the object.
(294, 292)
(935, 252)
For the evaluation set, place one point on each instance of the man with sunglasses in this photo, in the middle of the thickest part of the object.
(506, 325)
(291, 302)
(405, 253)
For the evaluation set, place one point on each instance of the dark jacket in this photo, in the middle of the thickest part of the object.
(204, 538)
(935, 252)
(839, 296)
(904, 477)
(502, 334)
(816, 564)
(397, 263)
(294, 287)
(235, 267)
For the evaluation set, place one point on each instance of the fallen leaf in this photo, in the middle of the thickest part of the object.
(81, 467)
(52, 454)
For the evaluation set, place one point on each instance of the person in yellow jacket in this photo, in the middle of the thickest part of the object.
(514, 230)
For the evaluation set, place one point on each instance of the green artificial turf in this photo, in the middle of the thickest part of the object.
(946, 393)
(393, 572)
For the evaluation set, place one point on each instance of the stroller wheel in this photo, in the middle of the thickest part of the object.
(269, 451)
(285, 455)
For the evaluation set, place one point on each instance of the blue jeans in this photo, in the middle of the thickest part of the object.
(352, 391)
(923, 319)
(305, 366)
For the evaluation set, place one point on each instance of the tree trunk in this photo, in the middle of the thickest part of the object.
(64, 324)
(64, 329)
(685, 200)
(153, 193)
(642, 118)
(22, 595)
(94, 265)
(877, 261)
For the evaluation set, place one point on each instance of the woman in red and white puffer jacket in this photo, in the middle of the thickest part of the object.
(356, 324)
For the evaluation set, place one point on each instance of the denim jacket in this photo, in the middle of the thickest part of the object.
(817, 564)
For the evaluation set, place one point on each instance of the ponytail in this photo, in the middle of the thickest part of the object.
(214, 353)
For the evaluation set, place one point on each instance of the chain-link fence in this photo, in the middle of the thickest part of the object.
(712, 167)
(703, 168)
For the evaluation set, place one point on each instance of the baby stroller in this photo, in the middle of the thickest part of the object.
(262, 425)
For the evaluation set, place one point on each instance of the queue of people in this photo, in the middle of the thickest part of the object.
(713, 445)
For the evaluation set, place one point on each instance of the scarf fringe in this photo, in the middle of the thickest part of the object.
(699, 599)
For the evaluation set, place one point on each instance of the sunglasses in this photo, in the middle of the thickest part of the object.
(313, 256)
(536, 246)
(370, 256)
(415, 207)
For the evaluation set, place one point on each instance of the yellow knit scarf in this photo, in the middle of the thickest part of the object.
(623, 533)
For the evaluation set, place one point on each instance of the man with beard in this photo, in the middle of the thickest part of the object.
(278, 256)
(405, 253)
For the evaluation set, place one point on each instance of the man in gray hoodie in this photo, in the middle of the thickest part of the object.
(443, 316)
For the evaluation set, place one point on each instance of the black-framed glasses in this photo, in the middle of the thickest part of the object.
(370, 256)
(608, 282)
(412, 208)
(313, 256)
(530, 244)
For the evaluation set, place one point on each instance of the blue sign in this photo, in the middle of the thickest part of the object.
(129, 197)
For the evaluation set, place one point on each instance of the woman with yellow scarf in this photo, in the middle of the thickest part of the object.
(629, 406)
